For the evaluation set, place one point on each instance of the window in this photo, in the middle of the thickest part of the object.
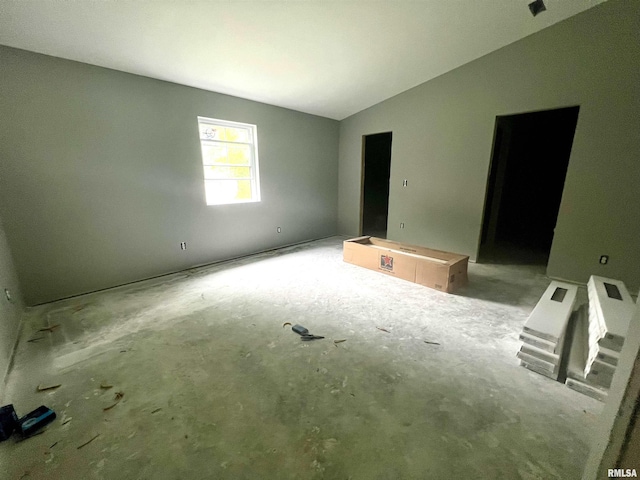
(230, 160)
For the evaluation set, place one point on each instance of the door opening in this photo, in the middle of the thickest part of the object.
(526, 179)
(376, 169)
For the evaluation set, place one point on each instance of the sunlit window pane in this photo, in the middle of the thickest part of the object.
(226, 153)
(218, 172)
(219, 192)
(227, 134)
(230, 161)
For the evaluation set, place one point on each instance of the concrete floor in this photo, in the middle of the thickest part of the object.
(215, 387)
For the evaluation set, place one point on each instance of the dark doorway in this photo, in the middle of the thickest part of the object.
(528, 168)
(375, 184)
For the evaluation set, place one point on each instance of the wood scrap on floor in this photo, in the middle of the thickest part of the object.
(49, 329)
(48, 387)
(431, 343)
(105, 385)
(340, 341)
(383, 329)
(89, 441)
(35, 339)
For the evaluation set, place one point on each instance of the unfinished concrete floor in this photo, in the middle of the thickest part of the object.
(215, 388)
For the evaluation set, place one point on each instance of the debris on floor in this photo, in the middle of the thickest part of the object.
(89, 441)
(105, 385)
(49, 329)
(340, 341)
(431, 343)
(41, 388)
(35, 339)
(383, 329)
(156, 410)
(285, 324)
(118, 396)
(305, 336)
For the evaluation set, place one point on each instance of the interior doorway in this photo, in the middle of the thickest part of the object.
(526, 179)
(376, 169)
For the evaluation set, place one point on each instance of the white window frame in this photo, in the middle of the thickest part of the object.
(253, 160)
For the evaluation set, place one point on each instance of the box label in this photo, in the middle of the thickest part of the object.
(386, 263)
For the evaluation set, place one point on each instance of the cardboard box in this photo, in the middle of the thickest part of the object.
(432, 268)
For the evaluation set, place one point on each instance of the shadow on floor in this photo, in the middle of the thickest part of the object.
(510, 254)
(506, 289)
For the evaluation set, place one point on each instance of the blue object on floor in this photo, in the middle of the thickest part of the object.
(34, 421)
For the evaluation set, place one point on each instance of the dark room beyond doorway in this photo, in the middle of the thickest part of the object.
(528, 167)
(375, 184)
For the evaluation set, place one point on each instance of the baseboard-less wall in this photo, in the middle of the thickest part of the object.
(101, 176)
(443, 133)
(10, 309)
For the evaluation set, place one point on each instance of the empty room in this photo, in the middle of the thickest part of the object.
(319, 239)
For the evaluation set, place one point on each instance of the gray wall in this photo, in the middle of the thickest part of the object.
(443, 133)
(101, 176)
(10, 311)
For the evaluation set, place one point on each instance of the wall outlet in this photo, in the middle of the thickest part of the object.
(401, 225)
(604, 259)
(183, 245)
(279, 230)
(7, 294)
(405, 182)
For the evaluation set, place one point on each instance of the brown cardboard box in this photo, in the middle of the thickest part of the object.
(433, 268)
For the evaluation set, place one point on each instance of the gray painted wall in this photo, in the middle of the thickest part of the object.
(443, 133)
(101, 176)
(10, 311)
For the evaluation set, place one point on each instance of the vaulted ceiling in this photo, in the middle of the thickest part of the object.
(329, 58)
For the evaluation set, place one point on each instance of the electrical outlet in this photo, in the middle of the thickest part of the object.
(183, 245)
(279, 230)
(405, 182)
(604, 259)
(401, 225)
(7, 294)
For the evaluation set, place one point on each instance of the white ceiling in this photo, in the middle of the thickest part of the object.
(329, 58)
